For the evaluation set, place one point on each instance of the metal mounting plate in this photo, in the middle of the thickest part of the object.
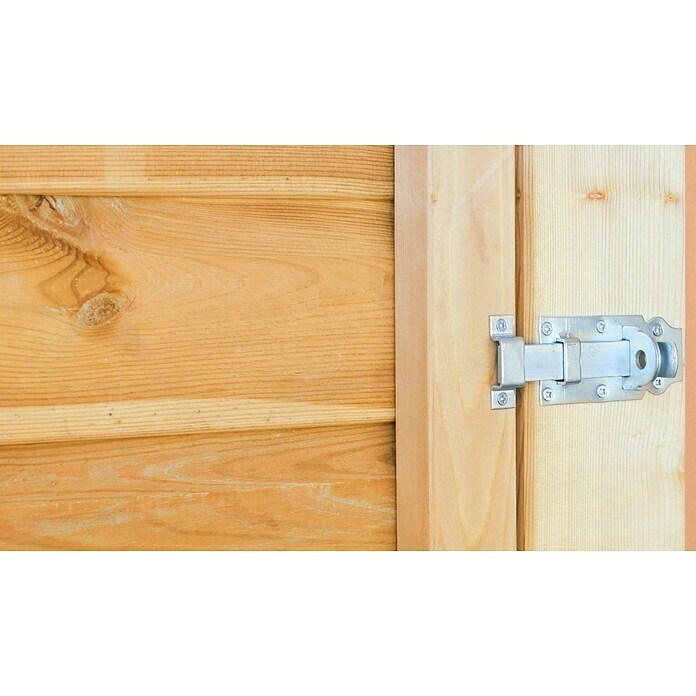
(589, 359)
(587, 330)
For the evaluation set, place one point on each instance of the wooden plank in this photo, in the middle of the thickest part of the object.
(304, 171)
(690, 438)
(601, 231)
(413, 407)
(455, 265)
(121, 419)
(323, 488)
(236, 303)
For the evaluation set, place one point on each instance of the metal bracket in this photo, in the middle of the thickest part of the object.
(587, 359)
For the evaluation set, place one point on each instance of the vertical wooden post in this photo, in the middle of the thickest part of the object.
(455, 266)
(601, 231)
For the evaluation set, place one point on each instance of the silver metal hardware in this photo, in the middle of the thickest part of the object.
(501, 324)
(587, 359)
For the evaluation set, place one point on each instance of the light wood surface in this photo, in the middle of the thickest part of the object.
(107, 300)
(323, 488)
(413, 404)
(690, 264)
(168, 356)
(321, 171)
(601, 231)
(120, 419)
(455, 265)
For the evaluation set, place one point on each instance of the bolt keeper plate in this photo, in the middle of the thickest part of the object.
(587, 359)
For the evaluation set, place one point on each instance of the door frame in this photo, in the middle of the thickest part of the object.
(455, 266)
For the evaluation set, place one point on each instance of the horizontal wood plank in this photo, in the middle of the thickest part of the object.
(107, 300)
(172, 416)
(305, 171)
(322, 488)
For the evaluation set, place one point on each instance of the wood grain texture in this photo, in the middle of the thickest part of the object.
(304, 171)
(323, 488)
(108, 300)
(121, 419)
(690, 265)
(455, 265)
(601, 231)
(202, 355)
(413, 405)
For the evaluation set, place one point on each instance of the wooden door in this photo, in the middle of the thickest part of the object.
(197, 348)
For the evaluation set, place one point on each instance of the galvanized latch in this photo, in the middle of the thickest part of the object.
(587, 359)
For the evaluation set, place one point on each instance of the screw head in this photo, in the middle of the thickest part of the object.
(502, 398)
(602, 391)
(547, 394)
(657, 383)
(501, 325)
(657, 330)
(601, 326)
(547, 328)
